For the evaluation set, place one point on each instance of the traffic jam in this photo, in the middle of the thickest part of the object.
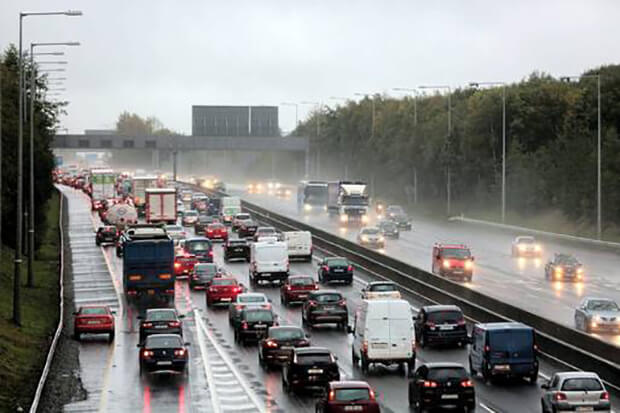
(173, 238)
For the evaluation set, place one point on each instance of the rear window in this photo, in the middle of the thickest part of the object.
(328, 298)
(205, 269)
(370, 231)
(161, 315)
(243, 216)
(174, 228)
(253, 316)
(458, 253)
(191, 213)
(237, 243)
(157, 341)
(582, 384)
(301, 281)
(109, 230)
(286, 333)
(251, 299)
(525, 240)
(511, 339)
(352, 395)
(198, 246)
(337, 262)
(383, 287)
(439, 317)
(93, 311)
(445, 373)
(313, 358)
(220, 281)
(603, 305)
(216, 226)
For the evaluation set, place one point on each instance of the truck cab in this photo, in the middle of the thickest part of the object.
(453, 261)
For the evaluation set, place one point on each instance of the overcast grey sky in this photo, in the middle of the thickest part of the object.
(157, 57)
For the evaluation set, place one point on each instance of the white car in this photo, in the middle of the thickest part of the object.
(575, 391)
(299, 244)
(526, 246)
(268, 262)
(245, 300)
(176, 232)
(372, 237)
(380, 290)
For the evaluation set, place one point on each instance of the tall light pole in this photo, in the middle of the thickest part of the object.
(33, 94)
(448, 183)
(20, 162)
(415, 123)
(599, 209)
(296, 112)
(503, 85)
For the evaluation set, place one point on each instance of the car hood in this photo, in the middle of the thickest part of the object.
(606, 314)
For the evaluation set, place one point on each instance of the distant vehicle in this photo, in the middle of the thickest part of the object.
(216, 231)
(284, 193)
(247, 229)
(200, 203)
(236, 249)
(299, 244)
(276, 348)
(93, 319)
(402, 221)
(272, 185)
(106, 234)
(348, 396)
(579, 391)
(184, 264)
(383, 333)
(371, 237)
(389, 229)
(310, 367)
(223, 290)
(160, 321)
(383, 290)
(392, 210)
(230, 206)
(246, 300)
(239, 218)
(161, 205)
(297, 288)
(163, 353)
(214, 206)
(200, 247)
(526, 246)
(139, 184)
(176, 232)
(268, 262)
(453, 260)
(335, 269)
(121, 214)
(203, 275)
(440, 324)
(180, 208)
(504, 350)
(103, 186)
(312, 196)
(380, 209)
(325, 307)
(186, 196)
(189, 218)
(598, 314)
(441, 385)
(264, 232)
(253, 324)
(203, 221)
(564, 267)
(255, 188)
(349, 201)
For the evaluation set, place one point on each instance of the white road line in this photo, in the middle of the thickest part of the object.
(205, 363)
(487, 408)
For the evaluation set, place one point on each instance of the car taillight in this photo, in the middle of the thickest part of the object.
(244, 325)
(342, 303)
(559, 396)
(325, 268)
(467, 383)
(312, 303)
(212, 289)
(430, 384)
(430, 324)
(211, 253)
(147, 325)
(288, 288)
(350, 268)
(413, 345)
(446, 263)
(237, 289)
(180, 352)
(371, 393)
(267, 306)
(365, 346)
(605, 395)
(174, 324)
(177, 265)
(332, 395)
(271, 344)
(461, 322)
(147, 353)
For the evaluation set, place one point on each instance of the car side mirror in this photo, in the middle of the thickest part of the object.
(188, 344)
(181, 315)
(139, 345)
(544, 386)
(140, 317)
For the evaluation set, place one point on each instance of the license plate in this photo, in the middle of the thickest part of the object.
(303, 296)
(502, 367)
(449, 396)
(93, 322)
(238, 249)
(353, 408)
(585, 409)
(379, 345)
(161, 326)
(446, 327)
(226, 299)
(338, 270)
(260, 325)
(151, 292)
(329, 307)
(315, 371)
(164, 363)
(287, 348)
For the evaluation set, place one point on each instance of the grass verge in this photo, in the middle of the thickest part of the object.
(23, 349)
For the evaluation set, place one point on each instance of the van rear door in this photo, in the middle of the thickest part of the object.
(378, 335)
(400, 338)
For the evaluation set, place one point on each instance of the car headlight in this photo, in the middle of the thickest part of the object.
(521, 247)
(446, 263)
(537, 248)
(580, 270)
(469, 265)
(287, 192)
(381, 239)
(324, 207)
(364, 218)
(597, 318)
(307, 207)
(344, 218)
(380, 207)
(364, 238)
(559, 270)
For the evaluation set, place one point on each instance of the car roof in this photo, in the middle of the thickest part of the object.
(107, 307)
(158, 310)
(452, 246)
(443, 365)
(503, 326)
(165, 336)
(436, 308)
(349, 384)
(300, 276)
(598, 299)
(321, 292)
(252, 295)
(381, 282)
(276, 328)
(577, 374)
(197, 239)
(311, 350)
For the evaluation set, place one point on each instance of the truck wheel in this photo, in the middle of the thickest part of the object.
(354, 358)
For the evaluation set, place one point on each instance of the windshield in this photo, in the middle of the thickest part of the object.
(458, 253)
(223, 281)
(198, 246)
(174, 228)
(383, 287)
(445, 373)
(93, 311)
(328, 298)
(251, 299)
(525, 240)
(159, 341)
(370, 231)
(314, 358)
(340, 262)
(354, 200)
(205, 269)
(507, 340)
(351, 395)
(445, 317)
(191, 213)
(237, 243)
(301, 281)
(602, 305)
(263, 231)
(216, 226)
(161, 315)
(582, 384)
(566, 260)
(395, 210)
(243, 216)
(286, 333)
(252, 316)
(388, 225)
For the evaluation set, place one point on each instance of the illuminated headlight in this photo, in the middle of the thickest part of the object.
(559, 270)
(277, 185)
(593, 324)
(579, 270)
(380, 216)
(537, 248)
(270, 185)
(287, 192)
(324, 207)
(259, 187)
(364, 218)
(446, 263)
(380, 207)
(381, 239)
(521, 247)
(307, 207)
(469, 265)
(596, 319)
(344, 218)
(364, 238)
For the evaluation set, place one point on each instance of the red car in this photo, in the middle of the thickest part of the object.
(94, 319)
(348, 396)
(184, 265)
(216, 231)
(296, 288)
(223, 290)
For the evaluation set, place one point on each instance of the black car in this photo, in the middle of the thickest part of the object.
(440, 324)
(236, 249)
(335, 269)
(106, 234)
(564, 267)
(203, 274)
(402, 221)
(277, 347)
(163, 353)
(441, 385)
(247, 228)
(310, 367)
(253, 324)
(160, 321)
(325, 307)
(202, 223)
(389, 229)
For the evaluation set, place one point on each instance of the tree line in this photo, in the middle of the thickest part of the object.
(551, 146)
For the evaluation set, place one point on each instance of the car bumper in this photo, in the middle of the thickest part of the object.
(567, 407)
(223, 299)
(253, 334)
(325, 317)
(237, 254)
(296, 296)
(339, 276)
(278, 356)
(162, 366)
(457, 274)
(273, 276)
(313, 381)
(446, 337)
(437, 399)
(604, 327)
(168, 330)
(94, 328)
(513, 369)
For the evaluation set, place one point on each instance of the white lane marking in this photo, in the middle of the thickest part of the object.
(208, 372)
(487, 408)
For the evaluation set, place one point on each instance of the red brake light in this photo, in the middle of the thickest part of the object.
(179, 352)
(174, 324)
(430, 383)
(332, 395)
(559, 396)
(487, 349)
(271, 344)
(147, 325)
(312, 303)
(325, 268)
(605, 395)
(147, 353)
(288, 288)
(211, 253)
(430, 324)
(177, 265)
(467, 383)
(238, 307)
(461, 322)
(371, 392)
(244, 325)
(342, 303)
(350, 268)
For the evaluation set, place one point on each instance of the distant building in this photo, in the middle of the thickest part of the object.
(235, 121)
(100, 132)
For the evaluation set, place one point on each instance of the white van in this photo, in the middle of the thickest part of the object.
(299, 244)
(268, 262)
(383, 332)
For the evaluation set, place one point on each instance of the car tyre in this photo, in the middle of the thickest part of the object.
(354, 358)
(472, 371)
(365, 364)
(111, 337)
(77, 336)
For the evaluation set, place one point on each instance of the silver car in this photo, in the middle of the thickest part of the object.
(372, 237)
(176, 232)
(598, 314)
(575, 391)
(246, 300)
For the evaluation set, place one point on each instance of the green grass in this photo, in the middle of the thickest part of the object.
(23, 349)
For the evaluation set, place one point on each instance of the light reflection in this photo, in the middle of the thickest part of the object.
(537, 262)
(521, 262)
(147, 400)
(579, 288)
(558, 286)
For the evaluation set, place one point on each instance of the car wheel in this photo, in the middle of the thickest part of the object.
(111, 337)
(354, 358)
(77, 336)
(472, 371)
(365, 364)
(97, 242)
(411, 367)
(141, 370)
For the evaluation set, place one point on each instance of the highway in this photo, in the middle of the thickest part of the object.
(222, 373)
(518, 281)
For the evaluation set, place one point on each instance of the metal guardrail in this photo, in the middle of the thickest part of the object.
(530, 231)
(50, 355)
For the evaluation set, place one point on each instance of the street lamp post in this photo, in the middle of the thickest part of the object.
(599, 218)
(448, 183)
(503, 85)
(20, 162)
